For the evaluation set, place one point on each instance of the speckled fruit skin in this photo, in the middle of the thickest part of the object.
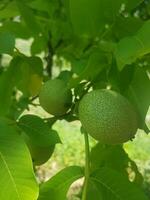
(55, 98)
(108, 116)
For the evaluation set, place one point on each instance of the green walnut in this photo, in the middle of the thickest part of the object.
(55, 97)
(108, 116)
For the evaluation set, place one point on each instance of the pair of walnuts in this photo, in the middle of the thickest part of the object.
(106, 115)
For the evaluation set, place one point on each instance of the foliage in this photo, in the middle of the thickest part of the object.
(102, 44)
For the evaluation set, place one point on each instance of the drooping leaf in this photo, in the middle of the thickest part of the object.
(38, 131)
(58, 186)
(116, 186)
(17, 177)
(139, 93)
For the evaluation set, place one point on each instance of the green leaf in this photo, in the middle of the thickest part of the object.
(139, 93)
(48, 6)
(29, 75)
(17, 177)
(132, 4)
(7, 83)
(131, 48)
(114, 157)
(38, 131)
(94, 191)
(5, 93)
(39, 44)
(93, 65)
(124, 27)
(58, 186)
(9, 10)
(28, 15)
(116, 186)
(7, 43)
(110, 156)
(89, 20)
(18, 29)
(84, 18)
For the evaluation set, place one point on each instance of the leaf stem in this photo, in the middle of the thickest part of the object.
(87, 166)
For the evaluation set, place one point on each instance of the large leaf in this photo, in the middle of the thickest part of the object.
(17, 178)
(131, 48)
(58, 186)
(94, 191)
(116, 186)
(84, 18)
(90, 17)
(109, 156)
(114, 157)
(38, 131)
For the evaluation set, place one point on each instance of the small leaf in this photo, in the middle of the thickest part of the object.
(58, 186)
(17, 177)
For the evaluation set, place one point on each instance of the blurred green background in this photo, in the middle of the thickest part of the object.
(71, 151)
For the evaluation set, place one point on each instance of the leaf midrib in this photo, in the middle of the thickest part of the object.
(11, 176)
(109, 188)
